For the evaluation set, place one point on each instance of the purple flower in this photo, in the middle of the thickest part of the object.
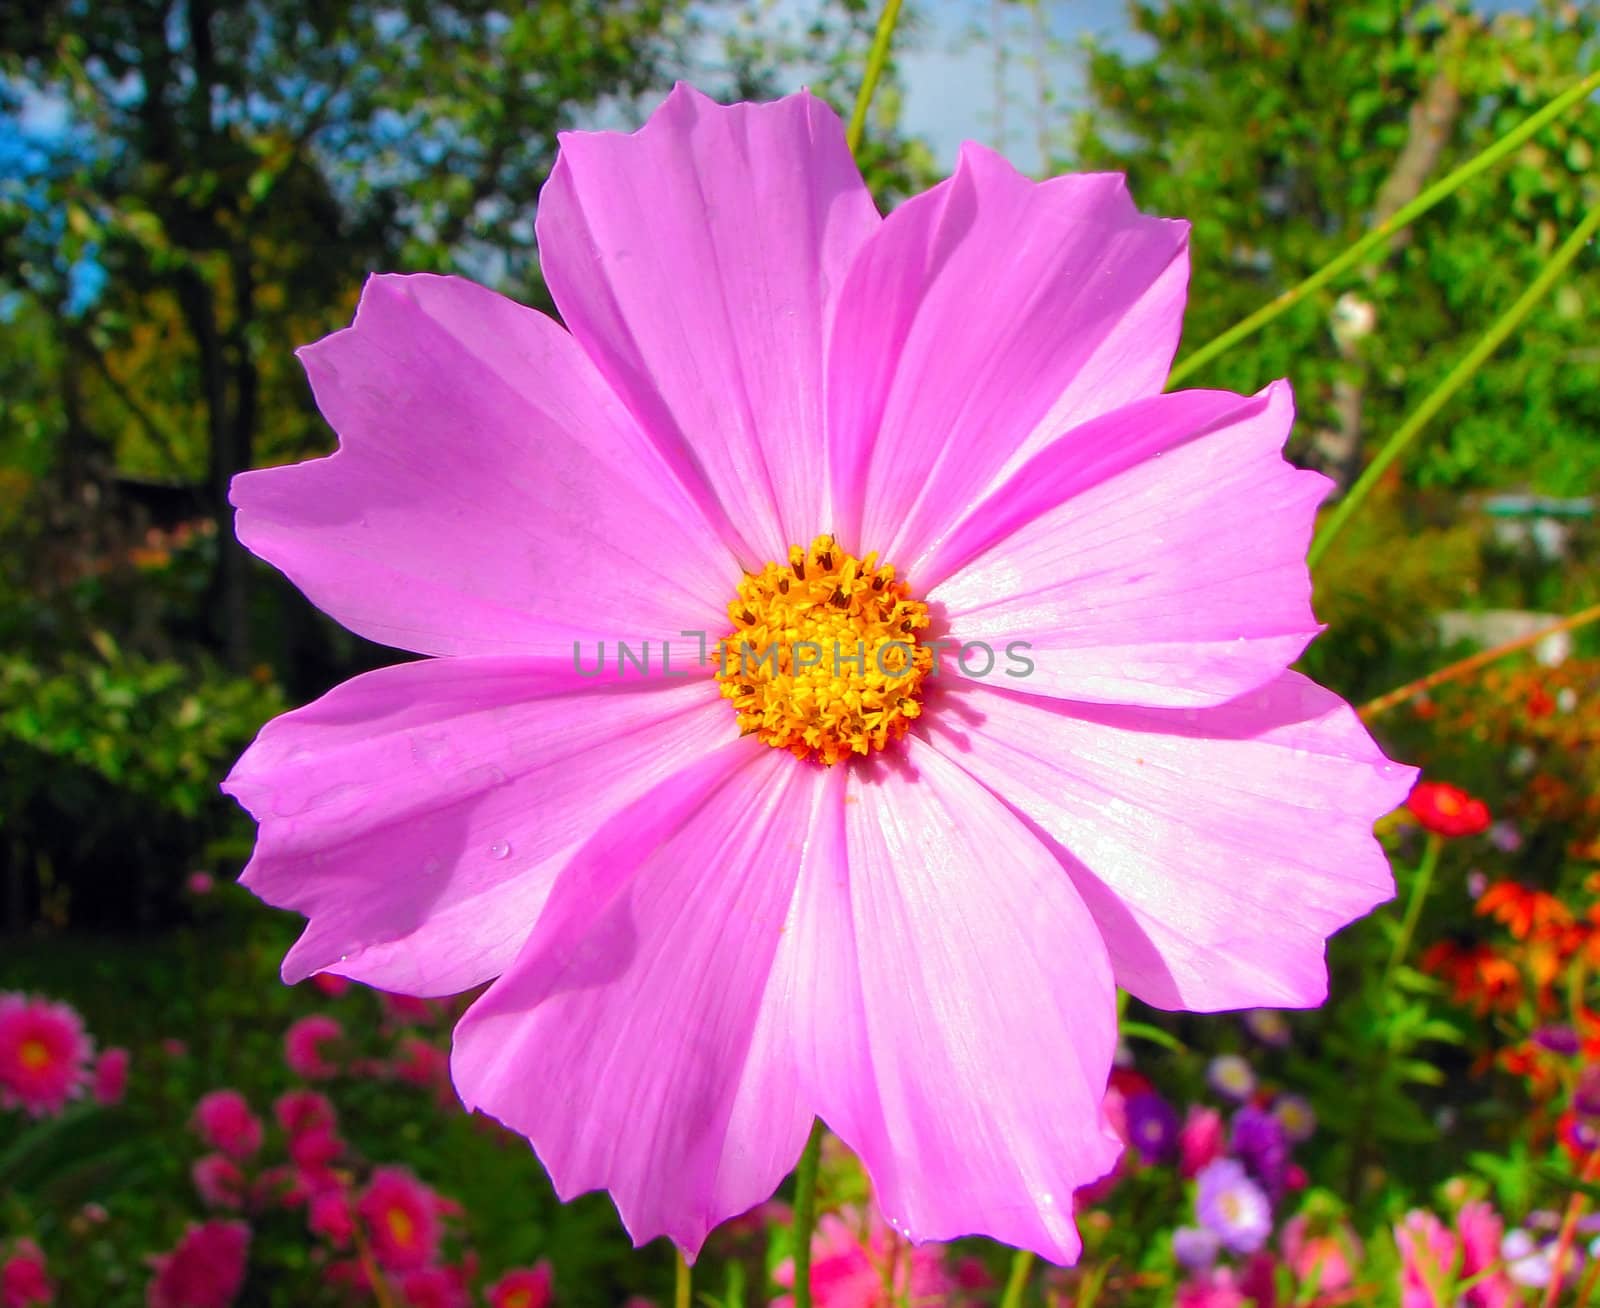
(1557, 1039)
(1195, 1247)
(1234, 1207)
(1152, 1126)
(1295, 1116)
(1258, 1142)
(1586, 1095)
(1505, 837)
(1269, 1026)
(1231, 1077)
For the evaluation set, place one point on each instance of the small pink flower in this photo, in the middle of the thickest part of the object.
(1217, 1288)
(858, 1262)
(304, 1046)
(402, 1219)
(328, 1215)
(316, 1149)
(1480, 1229)
(527, 1287)
(435, 1287)
(303, 1110)
(1428, 1256)
(24, 1277)
(219, 1181)
(44, 1054)
(205, 1270)
(224, 1121)
(1200, 1141)
(1326, 1260)
(200, 883)
(423, 1065)
(172, 1047)
(111, 1077)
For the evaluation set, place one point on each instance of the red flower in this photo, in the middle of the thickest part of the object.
(1447, 810)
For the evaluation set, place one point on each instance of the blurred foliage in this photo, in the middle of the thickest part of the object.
(1283, 129)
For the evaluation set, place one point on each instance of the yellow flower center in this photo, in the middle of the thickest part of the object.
(824, 659)
(401, 1227)
(35, 1055)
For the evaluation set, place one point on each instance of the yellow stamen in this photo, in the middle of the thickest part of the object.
(824, 658)
(35, 1055)
(401, 1227)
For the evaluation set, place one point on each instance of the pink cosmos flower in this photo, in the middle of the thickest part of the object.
(402, 1219)
(304, 1046)
(854, 1265)
(222, 1118)
(24, 1277)
(110, 1082)
(44, 1054)
(526, 1287)
(219, 1181)
(774, 413)
(205, 1270)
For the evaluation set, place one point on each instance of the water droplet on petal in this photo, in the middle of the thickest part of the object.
(500, 849)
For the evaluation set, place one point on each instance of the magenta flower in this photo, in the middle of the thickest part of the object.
(306, 1046)
(773, 413)
(44, 1054)
(401, 1216)
(205, 1270)
(110, 1080)
(298, 1111)
(525, 1287)
(224, 1121)
(25, 1277)
(219, 1181)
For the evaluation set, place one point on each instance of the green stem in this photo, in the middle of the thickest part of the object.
(1419, 892)
(1021, 1266)
(876, 58)
(1487, 344)
(805, 1215)
(682, 1283)
(1440, 190)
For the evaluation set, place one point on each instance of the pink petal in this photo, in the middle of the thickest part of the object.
(418, 814)
(1156, 556)
(986, 317)
(698, 261)
(490, 495)
(1217, 848)
(959, 1016)
(627, 1041)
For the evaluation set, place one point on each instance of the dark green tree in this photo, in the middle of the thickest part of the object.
(1285, 129)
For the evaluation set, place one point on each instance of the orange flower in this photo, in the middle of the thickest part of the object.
(1477, 975)
(1523, 910)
